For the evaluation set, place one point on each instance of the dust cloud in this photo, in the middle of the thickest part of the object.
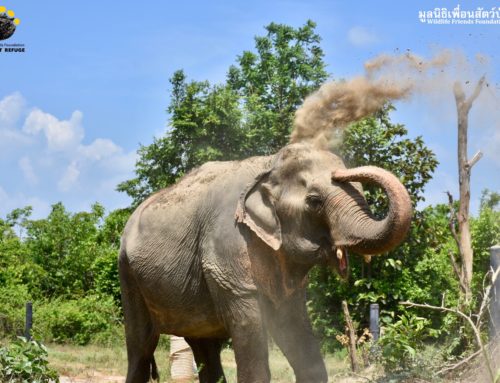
(337, 104)
(386, 78)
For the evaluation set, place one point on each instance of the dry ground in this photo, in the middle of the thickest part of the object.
(95, 364)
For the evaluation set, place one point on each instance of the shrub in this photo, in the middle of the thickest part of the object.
(12, 309)
(25, 361)
(105, 271)
(403, 343)
(78, 321)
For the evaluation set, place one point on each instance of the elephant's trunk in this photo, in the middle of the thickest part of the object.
(352, 223)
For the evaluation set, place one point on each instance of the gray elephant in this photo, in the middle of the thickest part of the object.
(225, 252)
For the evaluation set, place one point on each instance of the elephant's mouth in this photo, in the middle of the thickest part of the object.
(337, 258)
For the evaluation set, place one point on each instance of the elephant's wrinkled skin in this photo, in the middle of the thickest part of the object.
(225, 253)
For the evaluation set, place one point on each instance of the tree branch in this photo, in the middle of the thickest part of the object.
(476, 92)
(460, 95)
(468, 319)
(456, 365)
(486, 296)
(361, 376)
(352, 337)
(457, 271)
(453, 219)
(447, 309)
(474, 159)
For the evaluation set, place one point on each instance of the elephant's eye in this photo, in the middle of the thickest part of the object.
(314, 201)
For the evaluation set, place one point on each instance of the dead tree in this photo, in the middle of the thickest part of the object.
(460, 218)
(352, 338)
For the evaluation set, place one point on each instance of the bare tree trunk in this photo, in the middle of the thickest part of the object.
(352, 338)
(463, 238)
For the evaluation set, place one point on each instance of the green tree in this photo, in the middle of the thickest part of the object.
(66, 264)
(17, 218)
(490, 199)
(205, 125)
(64, 245)
(10, 250)
(105, 265)
(286, 67)
(251, 114)
(112, 227)
(16, 264)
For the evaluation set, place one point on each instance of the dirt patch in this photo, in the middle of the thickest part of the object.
(93, 377)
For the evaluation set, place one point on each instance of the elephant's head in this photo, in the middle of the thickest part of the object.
(312, 208)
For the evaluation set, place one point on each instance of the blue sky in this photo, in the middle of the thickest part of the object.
(93, 84)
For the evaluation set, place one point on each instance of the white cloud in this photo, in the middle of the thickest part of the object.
(99, 149)
(62, 135)
(11, 108)
(69, 178)
(27, 169)
(49, 160)
(11, 138)
(122, 163)
(360, 36)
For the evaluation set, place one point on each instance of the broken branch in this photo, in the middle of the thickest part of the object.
(474, 159)
(469, 320)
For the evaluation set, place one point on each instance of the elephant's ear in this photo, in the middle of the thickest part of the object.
(256, 209)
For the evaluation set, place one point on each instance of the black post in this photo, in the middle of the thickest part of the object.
(374, 321)
(29, 320)
(495, 294)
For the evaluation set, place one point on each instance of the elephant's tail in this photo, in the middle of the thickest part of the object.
(154, 370)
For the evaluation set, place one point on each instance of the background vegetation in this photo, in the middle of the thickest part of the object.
(66, 263)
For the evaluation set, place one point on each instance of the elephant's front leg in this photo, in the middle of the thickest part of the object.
(249, 342)
(289, 324)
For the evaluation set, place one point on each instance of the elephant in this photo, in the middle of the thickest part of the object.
(225, 253)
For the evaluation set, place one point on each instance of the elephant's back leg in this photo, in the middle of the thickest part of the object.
(141, 335)
(207, 356)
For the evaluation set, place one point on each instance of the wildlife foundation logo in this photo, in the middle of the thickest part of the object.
(455, 16)
(8, 23)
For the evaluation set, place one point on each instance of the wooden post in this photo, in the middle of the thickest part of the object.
(352, 338)
(29, 320)
(495, 295)
(374, 321)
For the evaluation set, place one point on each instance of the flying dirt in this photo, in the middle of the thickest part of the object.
(386, 78)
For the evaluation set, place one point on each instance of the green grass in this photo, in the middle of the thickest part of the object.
(96, 363)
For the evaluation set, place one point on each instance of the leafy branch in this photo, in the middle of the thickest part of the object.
(475, 326)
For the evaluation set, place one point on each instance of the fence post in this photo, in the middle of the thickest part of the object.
(29, 320)
(374, 321)
(495, 294)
